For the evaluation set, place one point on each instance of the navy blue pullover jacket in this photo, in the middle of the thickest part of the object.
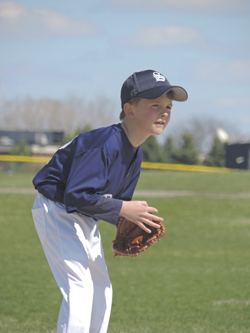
(93, 173)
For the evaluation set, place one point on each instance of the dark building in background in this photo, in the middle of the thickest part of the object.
(33, 137)
(238, 156)
(41, 143)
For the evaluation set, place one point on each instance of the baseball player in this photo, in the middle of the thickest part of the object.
(93, 177)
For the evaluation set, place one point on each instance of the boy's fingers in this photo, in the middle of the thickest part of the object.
(142, 225)
(156, 219)
(148, 222)
(152, 210)
(153, 224)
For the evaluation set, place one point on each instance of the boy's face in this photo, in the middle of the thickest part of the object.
(152, 115)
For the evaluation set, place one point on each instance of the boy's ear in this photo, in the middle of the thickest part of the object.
(129, 110)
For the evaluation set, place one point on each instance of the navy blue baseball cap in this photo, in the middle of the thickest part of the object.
(149, 84)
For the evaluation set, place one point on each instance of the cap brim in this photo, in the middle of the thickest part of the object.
(180, 94)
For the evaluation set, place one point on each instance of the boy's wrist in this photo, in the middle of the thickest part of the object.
(123, 208)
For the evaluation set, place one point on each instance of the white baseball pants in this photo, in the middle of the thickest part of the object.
(73, 248)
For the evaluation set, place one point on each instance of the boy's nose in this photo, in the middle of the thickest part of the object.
(164, 113)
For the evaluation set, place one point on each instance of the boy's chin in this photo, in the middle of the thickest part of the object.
(158, 132)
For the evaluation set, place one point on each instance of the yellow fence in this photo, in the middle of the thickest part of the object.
(145, 165)
(10, 158)
(182, 167)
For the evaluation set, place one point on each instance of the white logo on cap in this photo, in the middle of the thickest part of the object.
(158, 76)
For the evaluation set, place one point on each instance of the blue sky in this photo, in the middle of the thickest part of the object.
(54, 48)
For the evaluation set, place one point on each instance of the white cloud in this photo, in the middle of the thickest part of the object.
(236, 71)
(202, 6)
(17, 21)
(168, 36)
(11, 11)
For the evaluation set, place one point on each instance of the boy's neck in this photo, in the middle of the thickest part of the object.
(132, 133)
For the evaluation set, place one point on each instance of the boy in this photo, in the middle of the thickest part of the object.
(93, 177)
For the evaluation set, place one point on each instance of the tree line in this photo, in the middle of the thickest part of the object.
(194, 142)
(184, 153)
(153, 151)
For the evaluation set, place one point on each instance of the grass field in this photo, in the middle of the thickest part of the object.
(195, 280)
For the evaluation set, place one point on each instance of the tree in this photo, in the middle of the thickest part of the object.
(186, 154)
(151, 150)
(21, 148)
(216, 156)
(69, 136)
(49, 114)
(168, 150)
(203, 129)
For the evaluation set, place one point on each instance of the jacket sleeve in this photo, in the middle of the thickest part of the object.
(87, 178)
(106, 209)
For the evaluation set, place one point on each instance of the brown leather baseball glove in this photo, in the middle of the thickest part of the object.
(130, 239)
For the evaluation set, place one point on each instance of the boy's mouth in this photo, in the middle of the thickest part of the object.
(160, 122)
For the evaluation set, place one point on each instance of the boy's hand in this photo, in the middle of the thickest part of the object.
(140, 213)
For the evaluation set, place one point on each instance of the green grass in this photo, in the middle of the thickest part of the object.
(29, 295)
(16, 180)
(231, 182)
(195, 280)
